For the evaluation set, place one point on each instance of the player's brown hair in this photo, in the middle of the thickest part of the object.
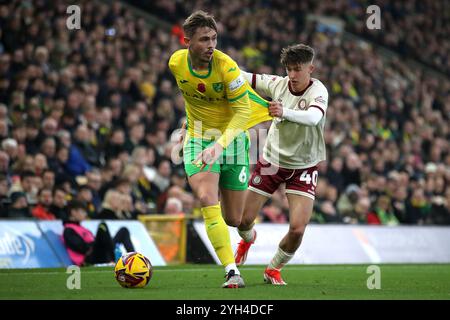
(197, 20)
(296, 54)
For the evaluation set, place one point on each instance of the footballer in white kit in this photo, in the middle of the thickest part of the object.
(294, 147)
(295, 140)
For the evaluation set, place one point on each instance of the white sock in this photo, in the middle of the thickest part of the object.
(232, 266)
(280, 259)
(247, 235)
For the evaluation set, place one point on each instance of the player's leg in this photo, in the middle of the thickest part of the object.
(261, 187)
(205, 186)
(232, 197)
(233, 182)
(253, 205)
(232, 203)
(233, 185)
(300, 211)
(300, 191)
(217, 230)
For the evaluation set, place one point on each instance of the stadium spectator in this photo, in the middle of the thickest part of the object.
(114, 145)
(84, 196)
(19, 206)
(418, 207)
(40, 164)
(325, 210)
(134, 180)
(4, 187)
(334, 173)
(187, 199)
(48, 179)
(112, 207)
(4, 164)
(82, 140)
(347, 202)
(83, 247)
(162, 176)
(29, 186)
(383, 213)
(58, 207)
(94, 182)
(440, 210)
(42, 210)
(11, 148)
(362, 210)
(173, 206)
(136, 135)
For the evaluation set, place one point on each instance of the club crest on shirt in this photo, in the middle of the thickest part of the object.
(201, 87)
(301, 104)
(218, 86)
(257, 180)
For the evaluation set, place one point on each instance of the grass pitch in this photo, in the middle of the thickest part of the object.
(200, 282)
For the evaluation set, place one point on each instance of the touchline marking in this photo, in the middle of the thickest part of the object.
(173, 270)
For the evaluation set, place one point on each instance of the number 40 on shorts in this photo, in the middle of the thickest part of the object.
(308, 178)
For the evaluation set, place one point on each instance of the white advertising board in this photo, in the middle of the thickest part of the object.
(348, 244)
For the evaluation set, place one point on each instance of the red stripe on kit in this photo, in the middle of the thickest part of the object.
(323, 112)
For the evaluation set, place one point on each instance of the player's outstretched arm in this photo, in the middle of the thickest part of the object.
(309, 117)
(262, 83)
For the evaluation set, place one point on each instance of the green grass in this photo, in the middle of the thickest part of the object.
(428, 281)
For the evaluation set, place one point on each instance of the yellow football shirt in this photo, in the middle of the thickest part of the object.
(213, 96)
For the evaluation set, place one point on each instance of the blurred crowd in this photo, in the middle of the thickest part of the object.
(86, 114)
(92, 114)
(415, 29)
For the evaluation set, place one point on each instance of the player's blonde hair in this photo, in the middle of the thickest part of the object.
(297, 54)
(196, 20)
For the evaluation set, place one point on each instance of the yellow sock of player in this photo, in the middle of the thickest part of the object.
(218, 234)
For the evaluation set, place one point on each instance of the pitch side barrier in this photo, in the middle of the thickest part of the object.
(348, 244)
(38, 244)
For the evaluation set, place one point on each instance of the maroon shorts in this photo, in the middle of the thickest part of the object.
(266, 178)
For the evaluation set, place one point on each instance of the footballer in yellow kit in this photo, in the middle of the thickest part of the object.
(209, 100)
(220, 107)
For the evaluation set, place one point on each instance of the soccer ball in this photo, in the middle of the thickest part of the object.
(133, 270)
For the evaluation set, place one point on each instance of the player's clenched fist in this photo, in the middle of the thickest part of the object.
(275, 109)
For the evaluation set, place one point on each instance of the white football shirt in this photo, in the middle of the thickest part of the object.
(293, 145)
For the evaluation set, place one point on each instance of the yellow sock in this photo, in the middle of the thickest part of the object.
(218, 233)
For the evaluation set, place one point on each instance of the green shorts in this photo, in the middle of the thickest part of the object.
(232, 166)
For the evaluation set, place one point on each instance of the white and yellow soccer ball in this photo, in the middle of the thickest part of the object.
(133, 270)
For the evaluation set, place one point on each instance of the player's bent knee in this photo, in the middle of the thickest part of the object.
(297, 232)
(207, 199)
(124, 232)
